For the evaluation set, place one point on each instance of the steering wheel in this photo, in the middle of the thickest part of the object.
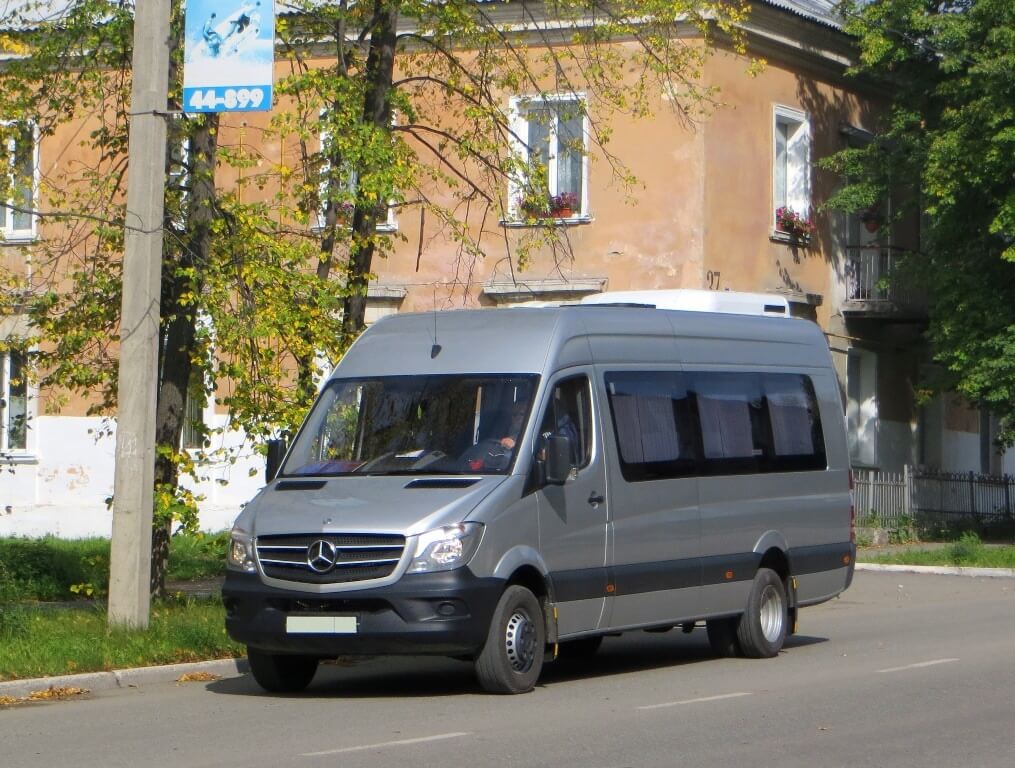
(487, 454)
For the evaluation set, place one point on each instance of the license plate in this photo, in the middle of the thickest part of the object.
(321, 625)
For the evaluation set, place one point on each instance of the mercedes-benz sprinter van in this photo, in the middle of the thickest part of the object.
(505, 484)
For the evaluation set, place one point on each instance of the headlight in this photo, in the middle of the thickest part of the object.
(446, 548)
(241, 552)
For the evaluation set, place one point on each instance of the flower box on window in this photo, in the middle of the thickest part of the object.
(564, 205)
(793, 224)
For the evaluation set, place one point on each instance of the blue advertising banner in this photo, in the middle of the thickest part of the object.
(228, 55)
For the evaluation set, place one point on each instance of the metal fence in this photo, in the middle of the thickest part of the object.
(929, 498)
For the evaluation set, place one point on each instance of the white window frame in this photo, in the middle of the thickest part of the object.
(390, 223)
(797, 194)
(862, 407)
(5, 382)
(7, 230)
(519, 123)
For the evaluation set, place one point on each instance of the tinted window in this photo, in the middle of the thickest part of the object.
(652, 419)
(672, 424)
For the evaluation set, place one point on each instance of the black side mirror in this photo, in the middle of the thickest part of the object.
(558, 464)
(276, 452)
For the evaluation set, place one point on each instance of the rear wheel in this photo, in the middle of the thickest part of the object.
(279, 673)
(512, 656)
(762, 629)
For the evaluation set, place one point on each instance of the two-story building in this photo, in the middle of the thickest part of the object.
(704, 214)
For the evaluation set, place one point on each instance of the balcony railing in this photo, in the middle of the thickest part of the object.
(876, 285)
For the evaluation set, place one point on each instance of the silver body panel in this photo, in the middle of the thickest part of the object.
(683, 528)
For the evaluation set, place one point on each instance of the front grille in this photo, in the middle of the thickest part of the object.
(360, 557)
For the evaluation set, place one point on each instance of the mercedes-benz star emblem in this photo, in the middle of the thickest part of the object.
(321, 556)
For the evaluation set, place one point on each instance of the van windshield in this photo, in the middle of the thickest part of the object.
(407, 425)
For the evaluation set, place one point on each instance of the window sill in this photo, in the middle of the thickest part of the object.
(384, 229)
(572, 221)
(18, 458)
(778, 236)
(18, 239)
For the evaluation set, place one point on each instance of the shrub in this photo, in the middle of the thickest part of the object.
(968, 549)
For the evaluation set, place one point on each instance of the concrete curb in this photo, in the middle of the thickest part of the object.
(940, 570)
(124, 678)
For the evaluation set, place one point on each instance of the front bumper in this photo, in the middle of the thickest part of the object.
(445, 614)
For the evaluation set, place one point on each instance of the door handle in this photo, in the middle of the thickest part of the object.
(596, 499)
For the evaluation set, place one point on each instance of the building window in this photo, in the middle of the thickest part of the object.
(862, 407)
(17, 220)
(195, 429)
(13, 402)
(550, 137)
(791, 170)
(346, 198)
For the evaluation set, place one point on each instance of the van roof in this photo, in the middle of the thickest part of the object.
(538, 340)
(726, 302)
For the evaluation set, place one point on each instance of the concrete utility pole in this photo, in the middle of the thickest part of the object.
(130, 566)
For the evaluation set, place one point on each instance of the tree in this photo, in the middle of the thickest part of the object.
(948, 137)
(411, 99)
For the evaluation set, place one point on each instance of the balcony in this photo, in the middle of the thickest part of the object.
(880, 285)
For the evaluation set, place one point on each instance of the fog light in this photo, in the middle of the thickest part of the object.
(446, 609)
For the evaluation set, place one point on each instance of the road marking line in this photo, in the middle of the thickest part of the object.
(399, 743)
(919, 665)
(696, 701)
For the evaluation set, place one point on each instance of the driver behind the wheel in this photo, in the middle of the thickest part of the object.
(515, 425)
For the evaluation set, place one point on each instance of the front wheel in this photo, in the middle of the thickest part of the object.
(278, 673)
(512, 656)
(762, 629)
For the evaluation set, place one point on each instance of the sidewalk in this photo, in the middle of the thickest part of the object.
(126, 678)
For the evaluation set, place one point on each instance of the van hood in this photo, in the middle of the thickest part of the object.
(401, 504)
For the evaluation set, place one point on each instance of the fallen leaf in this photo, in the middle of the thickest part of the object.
(197, 677)
(7, 701)
(54, 692)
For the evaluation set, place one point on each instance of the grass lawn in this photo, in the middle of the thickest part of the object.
(39, 640)
(967, 551)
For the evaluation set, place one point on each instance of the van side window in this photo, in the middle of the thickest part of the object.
(569, 413)
(673, 424)
(653, 421)
(734, 434)
(758, 422)
(797, 440)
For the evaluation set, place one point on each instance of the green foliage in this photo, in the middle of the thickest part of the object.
(47, 641)
(973, 554)
(967, 550)
(52, 569)
(46, 569)
(194, 556)
(904, 531)
(945, 147)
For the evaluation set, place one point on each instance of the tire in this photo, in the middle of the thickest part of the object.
(583, 648)
(278, 673)
(722, 637)
(763, 627)
(512, 656)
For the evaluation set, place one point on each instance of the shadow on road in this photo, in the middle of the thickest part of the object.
(427, 677)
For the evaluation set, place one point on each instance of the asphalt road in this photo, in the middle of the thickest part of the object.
(902, 670)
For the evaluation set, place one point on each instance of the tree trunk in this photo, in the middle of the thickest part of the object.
(376, 112)
(179, 323)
